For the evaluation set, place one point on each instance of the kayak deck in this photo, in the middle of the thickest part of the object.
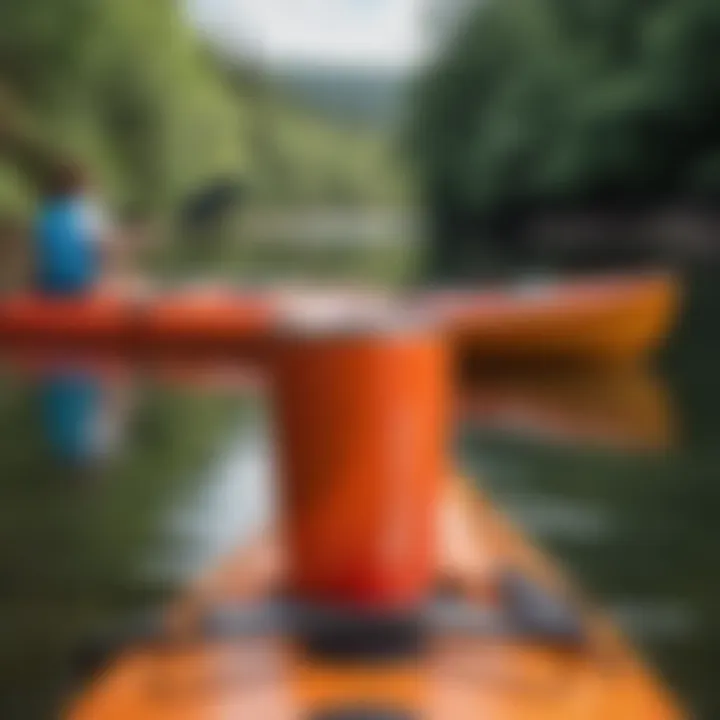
(457, 679)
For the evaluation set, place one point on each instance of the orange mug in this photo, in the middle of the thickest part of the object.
(362, 419)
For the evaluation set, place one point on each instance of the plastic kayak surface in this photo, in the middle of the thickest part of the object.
(211, 317)
(611, 318)
(454, 679)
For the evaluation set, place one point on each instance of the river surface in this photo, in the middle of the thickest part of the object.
(117, 483)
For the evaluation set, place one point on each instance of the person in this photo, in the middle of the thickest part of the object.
(75, 248)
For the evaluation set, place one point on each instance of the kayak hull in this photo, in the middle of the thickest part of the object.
(606, 320)
(204, 321)
(455, 679)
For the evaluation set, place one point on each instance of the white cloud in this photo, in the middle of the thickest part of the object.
(354, 32)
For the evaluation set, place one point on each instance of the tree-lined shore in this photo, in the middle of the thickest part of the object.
(544, 110)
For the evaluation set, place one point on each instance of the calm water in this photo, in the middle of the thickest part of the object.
(117, 485)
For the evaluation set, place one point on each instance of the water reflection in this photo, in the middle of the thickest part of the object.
(86, 403)
(175, 444)
(620, 408)
(83, 417)
(231, 506)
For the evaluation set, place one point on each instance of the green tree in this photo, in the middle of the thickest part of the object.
(569, 103)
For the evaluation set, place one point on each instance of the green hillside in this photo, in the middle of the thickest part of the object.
(129, 88)
(363, 97)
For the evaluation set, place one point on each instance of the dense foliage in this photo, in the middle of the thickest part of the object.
(571, 103)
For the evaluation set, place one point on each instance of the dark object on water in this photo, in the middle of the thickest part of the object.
(529, 614)
(212, 202)
(361, 712)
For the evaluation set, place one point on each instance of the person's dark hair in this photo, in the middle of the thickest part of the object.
(65, 178)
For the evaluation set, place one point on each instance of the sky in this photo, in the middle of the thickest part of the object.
(329, 32)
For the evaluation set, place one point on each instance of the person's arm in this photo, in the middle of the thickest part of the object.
(112, 253)
(107, 240)
(116, 257)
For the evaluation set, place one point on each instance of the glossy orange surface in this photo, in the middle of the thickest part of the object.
(458, 679)
(607, 319)
(217, 317)
(361, 444)
(99, 317)
(213, 316)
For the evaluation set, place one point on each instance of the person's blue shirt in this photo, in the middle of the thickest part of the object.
(67, 238)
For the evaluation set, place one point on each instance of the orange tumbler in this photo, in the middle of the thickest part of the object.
(362, 419)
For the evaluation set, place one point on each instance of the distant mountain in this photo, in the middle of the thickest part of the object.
(372, 97)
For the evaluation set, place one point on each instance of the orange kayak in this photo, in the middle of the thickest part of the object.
(214, 318)
(454, 678)
(607, 319)
(612, 318)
